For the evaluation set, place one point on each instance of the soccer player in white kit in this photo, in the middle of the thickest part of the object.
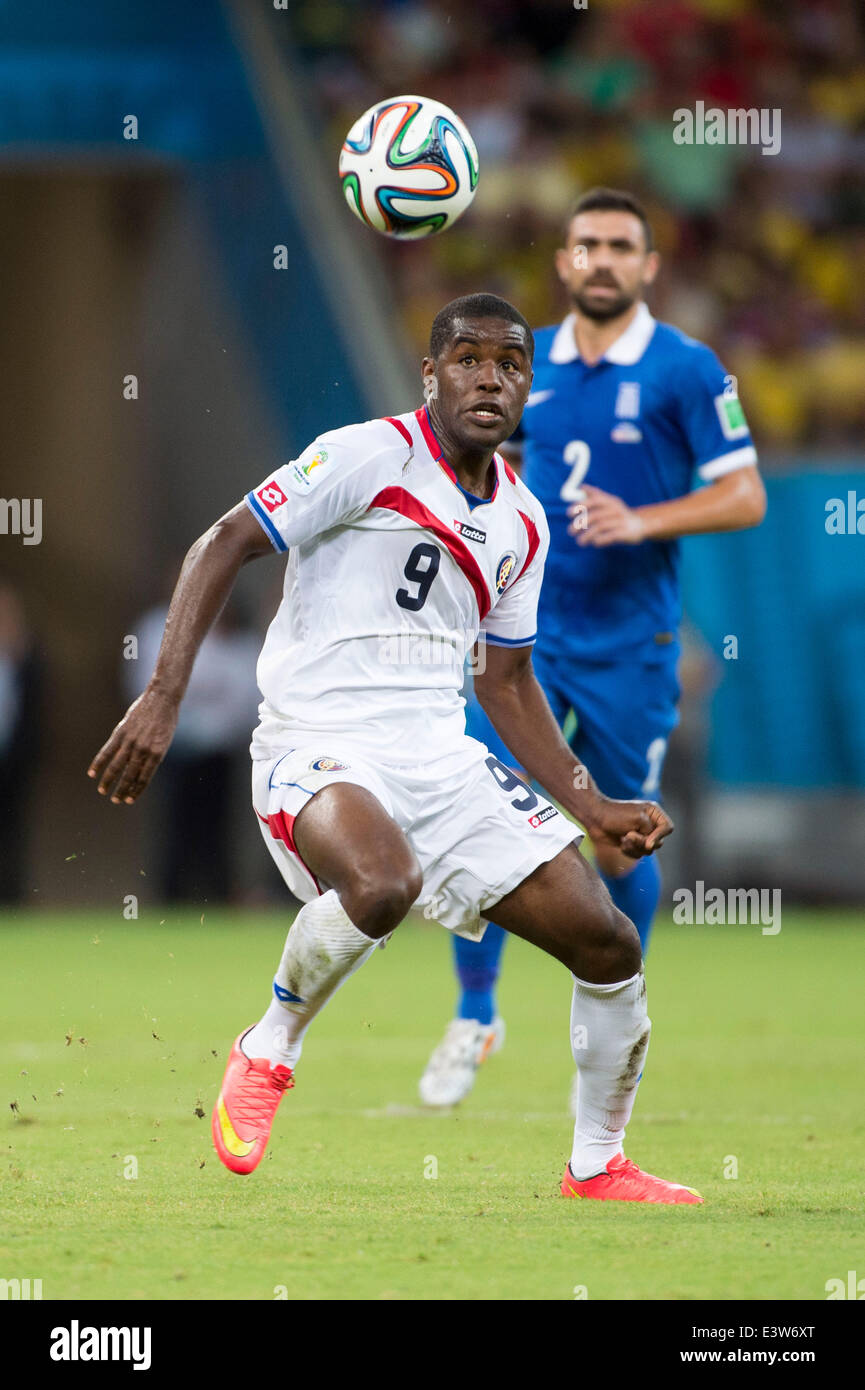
(410, 540)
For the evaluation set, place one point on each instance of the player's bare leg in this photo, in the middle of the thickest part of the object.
(359, 854)
(565, 909)
(345, 836)
(353, 847)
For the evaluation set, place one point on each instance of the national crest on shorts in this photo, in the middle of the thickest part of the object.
(504, 571)
(327, 765)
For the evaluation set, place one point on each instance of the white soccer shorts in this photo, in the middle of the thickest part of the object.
(477, 830)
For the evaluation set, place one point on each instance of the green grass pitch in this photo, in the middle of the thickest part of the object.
(114, 1040)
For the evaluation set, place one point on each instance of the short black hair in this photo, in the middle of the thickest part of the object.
(610, 200)
(474, 306)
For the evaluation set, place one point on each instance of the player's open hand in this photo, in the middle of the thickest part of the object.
(602, 519)
(125, 764)
(636, 828)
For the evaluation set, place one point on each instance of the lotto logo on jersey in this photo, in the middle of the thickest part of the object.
(327, 765)
(546, 814)
(471, 533)
(271, 496)
(504, 571)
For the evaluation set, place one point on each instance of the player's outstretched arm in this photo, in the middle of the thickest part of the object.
(518, 708)
(126, 762)
(732, 503)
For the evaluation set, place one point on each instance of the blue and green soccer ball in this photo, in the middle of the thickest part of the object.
(408, 167)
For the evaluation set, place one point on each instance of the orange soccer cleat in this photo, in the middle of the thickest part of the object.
(243, 1114)
(623, 1181)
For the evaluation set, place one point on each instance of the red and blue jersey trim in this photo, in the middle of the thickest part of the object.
(281, 827)
(426, 429)
(422, 417)
(534, 541)
(403, 429)
(398, 499)
(265, 522)
(509, 641)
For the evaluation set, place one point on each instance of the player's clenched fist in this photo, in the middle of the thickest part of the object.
(125, 764)
(635, 828)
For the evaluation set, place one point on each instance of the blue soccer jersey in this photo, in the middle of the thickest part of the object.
(656, 415)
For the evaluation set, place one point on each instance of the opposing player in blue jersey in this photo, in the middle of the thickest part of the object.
(625, 415)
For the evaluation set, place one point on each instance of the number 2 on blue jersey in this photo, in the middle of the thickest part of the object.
(578, 454)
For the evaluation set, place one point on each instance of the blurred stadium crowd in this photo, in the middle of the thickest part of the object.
(165, 268)
(560, 98)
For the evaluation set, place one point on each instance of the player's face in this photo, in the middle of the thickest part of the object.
(604, 265)
(480, 382)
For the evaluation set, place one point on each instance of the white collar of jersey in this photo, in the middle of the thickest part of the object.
(624, 352)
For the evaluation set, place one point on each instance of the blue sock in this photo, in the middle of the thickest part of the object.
(636, 894)
(477, 965)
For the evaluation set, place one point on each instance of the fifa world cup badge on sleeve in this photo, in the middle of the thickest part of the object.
(732, 416)
(304, 472)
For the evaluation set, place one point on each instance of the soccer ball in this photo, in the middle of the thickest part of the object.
(409, 167)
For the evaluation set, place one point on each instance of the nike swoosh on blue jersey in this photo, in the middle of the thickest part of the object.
(535, 397)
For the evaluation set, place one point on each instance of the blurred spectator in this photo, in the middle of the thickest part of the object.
(763, 254)
(21, 683)
(197, 777)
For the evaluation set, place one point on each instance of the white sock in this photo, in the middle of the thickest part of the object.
(322, 949)
(609, 1038)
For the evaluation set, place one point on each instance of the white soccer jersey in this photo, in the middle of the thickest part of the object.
(393, 570)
